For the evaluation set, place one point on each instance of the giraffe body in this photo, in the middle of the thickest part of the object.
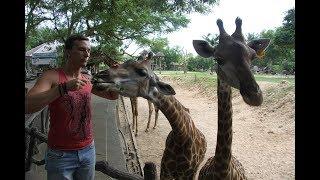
(156, 115)
(134, 110)
(185, 144)
(223, 165)
(233, 57)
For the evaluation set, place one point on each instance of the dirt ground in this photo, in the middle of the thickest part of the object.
(263, 139)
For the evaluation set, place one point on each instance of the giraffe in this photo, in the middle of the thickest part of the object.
(134, 103)
(185, 145)
(134, 110)
(233, 57)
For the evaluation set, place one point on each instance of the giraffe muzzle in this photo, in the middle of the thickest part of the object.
(252, 95)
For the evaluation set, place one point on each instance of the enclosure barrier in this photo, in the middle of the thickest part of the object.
(33, 137)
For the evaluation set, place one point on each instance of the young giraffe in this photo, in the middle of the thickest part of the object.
(185, 145)
(134, 103)
(234, 57)
(134, 110)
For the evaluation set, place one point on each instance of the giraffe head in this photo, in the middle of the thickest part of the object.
(132, 79)
(234, 56)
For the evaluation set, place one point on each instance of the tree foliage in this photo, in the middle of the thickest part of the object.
(280, 55)
(111, 24)
(35, 14)
(172, 56)
(213, 39)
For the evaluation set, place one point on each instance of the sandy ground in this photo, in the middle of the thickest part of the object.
(263, 139)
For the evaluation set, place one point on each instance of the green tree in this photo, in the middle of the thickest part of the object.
(280, 55)
(39, 36)
(251, 36)
(35, 14)
(112, 25)
(213, 39)
(155, 44)
(284, 40)
(198, 63)
(285, 35)
(172, 55)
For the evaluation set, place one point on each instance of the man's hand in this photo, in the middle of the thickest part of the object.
(76, 84)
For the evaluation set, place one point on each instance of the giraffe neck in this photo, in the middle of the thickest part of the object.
(224, 137)
(177, 115)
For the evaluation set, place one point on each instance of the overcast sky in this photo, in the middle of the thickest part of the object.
(256, 15)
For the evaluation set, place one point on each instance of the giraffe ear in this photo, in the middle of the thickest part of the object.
(165, 88)
(203, 48)
(259, 45)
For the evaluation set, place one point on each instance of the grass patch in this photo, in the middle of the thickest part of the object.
(278, 92)
(206, 75)
(274, 78)
(207, 83)
(204, 82)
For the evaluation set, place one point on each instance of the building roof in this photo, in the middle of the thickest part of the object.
(33, 50)
(43, 48)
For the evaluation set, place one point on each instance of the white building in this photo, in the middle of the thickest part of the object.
(44, 55)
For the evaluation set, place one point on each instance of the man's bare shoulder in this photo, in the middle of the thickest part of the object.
(48, 79)
(51, 75)
(50, 72)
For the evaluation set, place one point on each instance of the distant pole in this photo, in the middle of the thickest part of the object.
(160, 64)
(184, 63)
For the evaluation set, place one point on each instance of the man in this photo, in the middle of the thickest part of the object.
(71, 151)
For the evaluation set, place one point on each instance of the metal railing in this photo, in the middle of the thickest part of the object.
(34, 134)
(33, 137)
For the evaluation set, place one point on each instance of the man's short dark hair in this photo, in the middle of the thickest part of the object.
(75, 37)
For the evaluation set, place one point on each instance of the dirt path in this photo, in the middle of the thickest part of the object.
(263, 139)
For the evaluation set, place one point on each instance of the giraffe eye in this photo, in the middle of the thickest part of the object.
(142, 72)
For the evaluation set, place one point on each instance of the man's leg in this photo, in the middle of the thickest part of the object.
(59, 175)
(61, 165)
(87, 157)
